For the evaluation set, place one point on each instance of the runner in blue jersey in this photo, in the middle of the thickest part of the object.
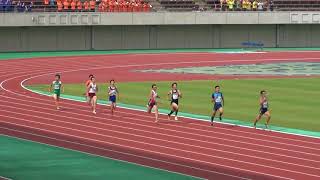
(218, 100)
(113, 95)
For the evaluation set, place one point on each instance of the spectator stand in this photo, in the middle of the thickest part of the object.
(252, 45)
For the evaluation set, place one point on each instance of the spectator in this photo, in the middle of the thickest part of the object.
(92, 4)
(73, 5)
(46, 2)
(249, 5)
(21, 7)
(222, 4)
(230, 4)
(260, 5)
(100, 7)
(140, 6)
(271, 5)
(105, 6)
(66, 5)
(254, 5)
(59, 5)
(123, 6)
(29, 7)
(1, 5)
(86, 5)
(135, 7)
(8, 5)
(110, 6)
(130, 7)
(116, 6)
(244, 4)
(146, 7)
(238, 4)
(79, 6)
(52, 2)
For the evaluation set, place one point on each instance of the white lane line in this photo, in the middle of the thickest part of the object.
(137, 65)
(5, 178)
(144, 143)
(200, 125)
(166, 129)
(215, 132)
(146, 137)
(145, 150)
(157, 127)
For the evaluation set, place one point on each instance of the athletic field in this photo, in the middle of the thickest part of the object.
(40, 142)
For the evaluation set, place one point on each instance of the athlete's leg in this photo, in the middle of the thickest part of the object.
(149, 109)
(257, 119)
(112, 107)
(88, 99)
(156, 113)
(55, 100)
(58, 101)
(221, 113)
(268, 115)
(94, 104)
(212, 116)
(176, 109)
(171, 112)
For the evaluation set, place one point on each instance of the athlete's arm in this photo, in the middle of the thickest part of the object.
(109, 91)
(180, 94)
(118, 94)
(169, 95)
(222, 99)
(213, 99)
(261, 100)
(50, 88)
(62, 88)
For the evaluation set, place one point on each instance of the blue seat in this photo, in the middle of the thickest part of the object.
(251, 44)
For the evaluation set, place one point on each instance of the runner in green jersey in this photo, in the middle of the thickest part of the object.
(56, 87)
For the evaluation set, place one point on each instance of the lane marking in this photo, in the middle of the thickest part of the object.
(140, 136)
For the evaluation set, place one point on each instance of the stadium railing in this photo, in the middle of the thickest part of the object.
(169, 5)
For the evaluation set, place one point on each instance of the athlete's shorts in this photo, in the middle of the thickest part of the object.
(151, 103)
(217, 107)
(175, 101)
(263, 110)
(57, 93)
(91, 95)
(113, 99)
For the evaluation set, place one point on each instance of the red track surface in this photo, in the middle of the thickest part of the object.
(189, 147)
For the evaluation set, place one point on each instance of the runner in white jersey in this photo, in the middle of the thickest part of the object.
(152, 104)
(92, 90)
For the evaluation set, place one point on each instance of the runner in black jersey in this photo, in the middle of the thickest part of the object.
(174, 95)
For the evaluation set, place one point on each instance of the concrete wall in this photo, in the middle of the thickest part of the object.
(155, 37)
(45, 38)
(157, 18)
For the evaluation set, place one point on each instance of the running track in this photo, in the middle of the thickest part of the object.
(188, 147)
